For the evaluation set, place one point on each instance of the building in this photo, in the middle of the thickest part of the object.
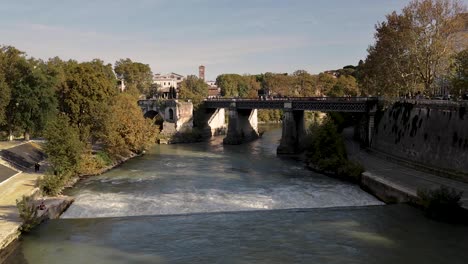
(201, 72)
(121, 85)
(213, 90)
(168, 80)
(167, 84)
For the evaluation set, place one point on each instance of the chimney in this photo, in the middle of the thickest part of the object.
(201, 72)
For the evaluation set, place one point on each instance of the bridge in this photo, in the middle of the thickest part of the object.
(176, 115)
(323, 104)
(243, 125)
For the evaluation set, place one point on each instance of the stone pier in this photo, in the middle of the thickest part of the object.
(242, 126)
(215, 122)
(293, 131)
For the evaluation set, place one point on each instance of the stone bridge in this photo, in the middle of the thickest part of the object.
(175, 115)
(243, 124)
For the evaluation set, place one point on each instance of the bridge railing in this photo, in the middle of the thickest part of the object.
(346, 99)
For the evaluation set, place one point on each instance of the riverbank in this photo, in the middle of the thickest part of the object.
(24, 184)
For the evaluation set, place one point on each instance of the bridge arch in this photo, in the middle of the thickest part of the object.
(151, 114)
(156, 117)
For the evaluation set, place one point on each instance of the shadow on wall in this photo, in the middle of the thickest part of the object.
(435, 136)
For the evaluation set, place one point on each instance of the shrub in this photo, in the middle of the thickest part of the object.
(325, 150)
(442, 203)
(93, 164)
(104, 157)
(28, 213)
(53, 183)
(351, 170)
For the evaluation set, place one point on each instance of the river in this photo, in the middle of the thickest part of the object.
(209, 203)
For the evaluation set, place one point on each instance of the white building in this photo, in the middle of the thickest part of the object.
(165, 81)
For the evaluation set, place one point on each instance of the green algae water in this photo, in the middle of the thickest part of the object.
(209, 203)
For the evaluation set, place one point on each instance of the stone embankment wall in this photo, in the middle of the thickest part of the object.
(434, 134)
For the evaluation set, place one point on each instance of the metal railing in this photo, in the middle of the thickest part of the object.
(346, 99)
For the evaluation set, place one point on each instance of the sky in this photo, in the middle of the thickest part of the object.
(227, 36)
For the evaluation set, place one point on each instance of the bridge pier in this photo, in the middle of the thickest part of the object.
(242, 126)
(293, 131)
(364, 129)
(214, 122)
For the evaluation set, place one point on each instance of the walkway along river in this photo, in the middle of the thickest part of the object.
(209, 203)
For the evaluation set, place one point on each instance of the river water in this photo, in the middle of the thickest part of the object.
(209, 203)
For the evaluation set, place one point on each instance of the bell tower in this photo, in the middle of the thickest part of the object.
(201, 72)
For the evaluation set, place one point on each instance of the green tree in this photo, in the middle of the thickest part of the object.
(413, 48)
(125, 128)
(304, 83)
(345, 85)
(87, 91)
(278, 83)
(434, 24)
(137, 76)
(29, 89)
(325, 83)
(63, 146)
(460, 73)
(194, 89)
(5, 95)
(235, 85)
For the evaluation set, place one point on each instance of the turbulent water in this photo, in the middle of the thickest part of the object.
(209, 203)
(210, 177)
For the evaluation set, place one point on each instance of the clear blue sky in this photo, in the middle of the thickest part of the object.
(227, 36)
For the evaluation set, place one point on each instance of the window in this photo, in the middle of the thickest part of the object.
(171, 114)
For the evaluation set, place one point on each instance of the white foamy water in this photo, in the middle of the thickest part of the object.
(91, 204)
(194, 178)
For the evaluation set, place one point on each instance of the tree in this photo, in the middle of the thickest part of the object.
(460, 73)
(63, 146)
(4, 99)
(278, 83)
(434, 24)
(194, 89)
(389, 68)
(325, 83)
(304, 83)
(235, 85)
(29, 89)
(137, 76)
(87, 91)
(413, 48)
(125, 128)
(345, 85)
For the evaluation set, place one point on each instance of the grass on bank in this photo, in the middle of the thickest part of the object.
(442, 204)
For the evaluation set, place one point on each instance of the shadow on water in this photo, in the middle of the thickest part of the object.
(188, 190)
(376, 234)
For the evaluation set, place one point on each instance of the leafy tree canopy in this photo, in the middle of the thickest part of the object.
(136, 75)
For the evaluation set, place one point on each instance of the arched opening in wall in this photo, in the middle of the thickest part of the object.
(171, 114)
(151, 114)
(158, 119)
